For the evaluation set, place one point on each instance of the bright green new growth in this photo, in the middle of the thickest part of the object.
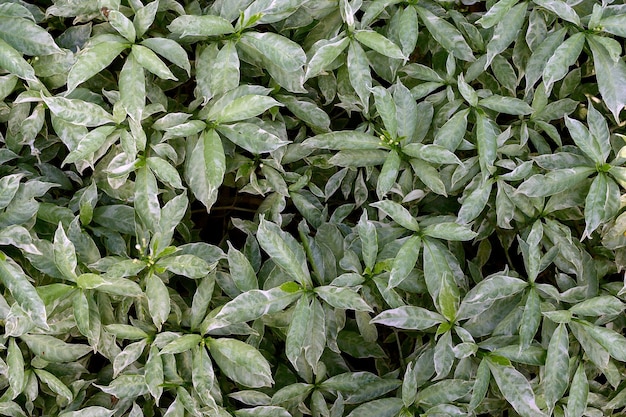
(326, 208)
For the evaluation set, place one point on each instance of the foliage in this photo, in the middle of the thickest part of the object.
(323, 207)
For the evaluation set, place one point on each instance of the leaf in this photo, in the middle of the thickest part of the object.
(563, 58)
(409, 318)
(507, 105)
(482, 296)
(202, 375)
(77, 111)
(446, 35)
(9, 184)
(585, 141)
(205, 167)
(384, 407)
(554, 181)
(110, 285)
(91, 411)
(126, 386)
(240, 362)
(598, 306)
(89, 144)
(123, 25)
(170, 50)
(129, 355)
(601, 204)
(343, 140)
(252, 137)
(481, 384)
(379, 43)
(515, 388)
(506, 31)
(531, 318)
(609, 339)
(263, 411)
(12, 61)
(27, 37)
(359, 72)
(242, 108)
(289, 257)
(92, 60)
(206, 25)
(15, 365)
(144, 17)
(133, 88)
(324, 56)
(153, 372)
(486, 139)
(254, 304)
(405, 261)
(451, 134)
(556, 379)
(15, 280)
(181, 344)
(54, 350)
(538, 60)
(64, 254)
(449, 231)
(495, 13)
(276, 49)
(151, 62)
(297, 332)
(578, 392)
(398, 213)
(475, 202)
(611, 76)
(158, 300)
(188, 265)
(434, 154)
(342, 297)
(561, 9)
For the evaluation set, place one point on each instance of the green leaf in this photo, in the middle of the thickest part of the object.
(206, 25)
(561, 9)
(554, 181)
(482, 296)
(342, 297)
(252, 137)
(405, 260)
(578, 392)
(190, 266)
(324, 56)
(158, 300)
(27, 37)
(359, 72)
(181, 344)
(495, 13)
(446, 35)
(284, 251)
(515, 388)
(241, 362)
(205, 167)
(602, 203)
(385, 407)
(15, 371)
(507, 105)
(15, 280)
(451, 134)
(611, 76)
(64, 254)
(398, 213)
(133, 88)
(506, 31)
(170, 50)
(91, 411)
(449, 231)
(563, 58)
(77, 111)
(242, 108)
(379, 43)
(122, 25)
(110, 285)
(276, 49)
(151, 62)
(556, 378)
(254, 304)
(343, 140)
(409, 318)
(54, 350)
(92, 60)
(388, 174)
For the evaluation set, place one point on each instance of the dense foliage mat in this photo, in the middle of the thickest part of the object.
(322, 207)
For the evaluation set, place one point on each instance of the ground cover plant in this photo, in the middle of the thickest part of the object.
(312, 208)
